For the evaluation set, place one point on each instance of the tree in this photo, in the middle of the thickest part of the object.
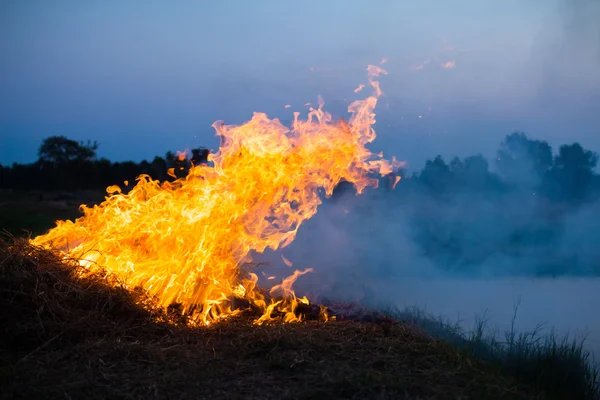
(61, 150)
(158, 168)
(200, 156)
(522, 161)
(5, 176)
(436, 175)
(472, 173)
(476, 172)
(572, 175)
(576, 158)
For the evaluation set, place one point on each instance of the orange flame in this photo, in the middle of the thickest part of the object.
(185, 242)
(181, 155)
(286, 261)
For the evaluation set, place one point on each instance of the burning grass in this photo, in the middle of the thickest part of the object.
(46, 302)
(147, 304)
(184, 241)
(66, 336)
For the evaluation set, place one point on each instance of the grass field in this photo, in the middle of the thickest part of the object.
(24, 213)
(68, 337)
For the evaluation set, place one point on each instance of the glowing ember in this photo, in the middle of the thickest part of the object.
(185, 242)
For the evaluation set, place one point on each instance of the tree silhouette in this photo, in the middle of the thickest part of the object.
(436, 175)
(572, 175)
(199, 156)
(158, 168)
(473, 173)
(576, 158)
(61, 150)
(522, 161)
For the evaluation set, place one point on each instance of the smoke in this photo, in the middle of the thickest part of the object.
(366, 249)
(354, 244)
(458, 257)
(567, 54)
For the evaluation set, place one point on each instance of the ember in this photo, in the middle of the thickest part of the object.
(185, 242)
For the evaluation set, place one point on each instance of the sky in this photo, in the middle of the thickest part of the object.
(146, 77)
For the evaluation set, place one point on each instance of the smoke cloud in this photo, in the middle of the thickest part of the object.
(458, 256)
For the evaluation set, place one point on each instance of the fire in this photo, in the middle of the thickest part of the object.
(286, 261)
(359, 88)
(187, 242)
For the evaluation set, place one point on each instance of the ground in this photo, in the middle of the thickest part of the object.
(70, 337)
(237, 360)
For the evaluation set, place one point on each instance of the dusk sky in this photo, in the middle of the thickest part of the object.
(145, 77)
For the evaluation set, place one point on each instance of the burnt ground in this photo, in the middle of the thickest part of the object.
(64, 337)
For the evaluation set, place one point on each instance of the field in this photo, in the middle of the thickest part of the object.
(68, 337)
(22, 213)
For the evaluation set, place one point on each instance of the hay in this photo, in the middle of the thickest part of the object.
(44, 301)
(70, 337)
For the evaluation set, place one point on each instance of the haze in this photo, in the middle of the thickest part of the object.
(145, 77)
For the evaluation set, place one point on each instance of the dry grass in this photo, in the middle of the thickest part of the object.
(66, 337)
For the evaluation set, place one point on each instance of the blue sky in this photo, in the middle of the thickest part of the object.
(145, 77)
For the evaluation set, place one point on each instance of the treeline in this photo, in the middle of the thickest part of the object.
(522, 164)
(535, 213)
(64, 164)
